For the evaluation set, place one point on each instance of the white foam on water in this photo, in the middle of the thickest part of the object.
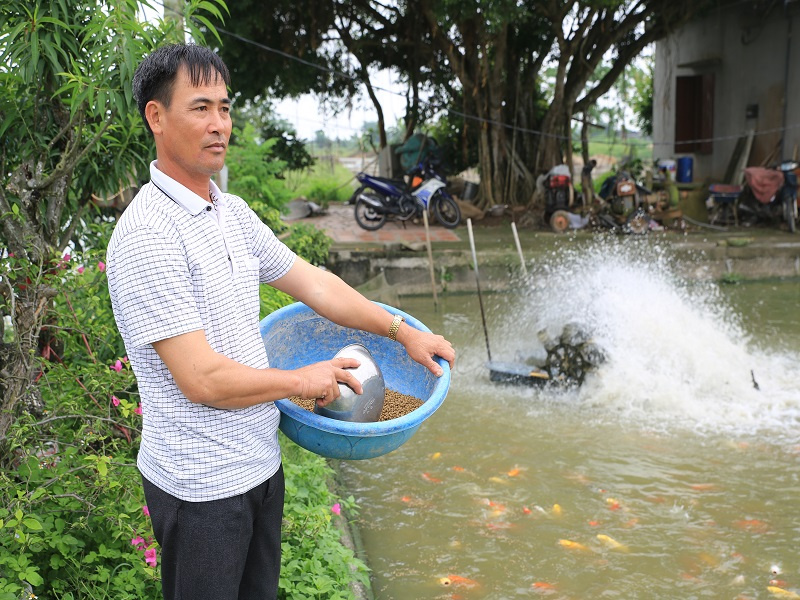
(677, 354)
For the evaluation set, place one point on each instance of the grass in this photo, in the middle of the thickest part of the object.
(327, 181)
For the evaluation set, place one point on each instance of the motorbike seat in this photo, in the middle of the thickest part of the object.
(389, 180)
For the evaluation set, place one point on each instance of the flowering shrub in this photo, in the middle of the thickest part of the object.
(73, 521)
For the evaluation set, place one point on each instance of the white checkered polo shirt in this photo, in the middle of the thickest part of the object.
(173, 267)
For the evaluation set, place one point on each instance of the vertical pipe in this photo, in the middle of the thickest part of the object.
(519, 248)
(478, 284)
(782, 157)
(430, 258)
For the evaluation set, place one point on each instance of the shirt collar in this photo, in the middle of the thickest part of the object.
(187, 199)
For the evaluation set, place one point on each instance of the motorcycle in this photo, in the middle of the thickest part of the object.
(622, 207)
(771, 194)
(380, 199)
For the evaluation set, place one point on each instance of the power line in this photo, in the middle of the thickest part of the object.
(484, 120)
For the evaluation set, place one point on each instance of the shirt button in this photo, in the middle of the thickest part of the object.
(208, 208)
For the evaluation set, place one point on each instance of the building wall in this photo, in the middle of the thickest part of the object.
(746, 53)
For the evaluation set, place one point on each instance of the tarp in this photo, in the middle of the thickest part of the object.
(416, 148)
(764, 183)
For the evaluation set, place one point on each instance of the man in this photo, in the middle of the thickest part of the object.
(184, 265)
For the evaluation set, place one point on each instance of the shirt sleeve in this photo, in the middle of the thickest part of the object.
(152, 288)
(275, 257)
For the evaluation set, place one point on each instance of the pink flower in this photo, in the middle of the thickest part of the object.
(138, 410)
(336, 509)
(146, 510)
(101, 265)
(117, 366)
(150, 557)
(114, 400)
(67, 257)
(137, 541)
(80, 270)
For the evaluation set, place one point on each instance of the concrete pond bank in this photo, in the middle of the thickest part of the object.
(401, 267)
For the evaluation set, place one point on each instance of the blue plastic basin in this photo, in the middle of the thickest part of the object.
(295, 336)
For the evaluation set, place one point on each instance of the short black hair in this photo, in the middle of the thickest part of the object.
(155, 76)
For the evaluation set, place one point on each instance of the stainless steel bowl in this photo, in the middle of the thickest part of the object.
(358, 408)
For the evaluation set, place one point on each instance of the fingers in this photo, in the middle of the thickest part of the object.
(320, 381)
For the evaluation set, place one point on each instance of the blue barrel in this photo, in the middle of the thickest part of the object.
(295, 336)
(685, 169)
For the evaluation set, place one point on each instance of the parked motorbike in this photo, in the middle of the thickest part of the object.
(622, 206)
(380, 199)
(771, 195)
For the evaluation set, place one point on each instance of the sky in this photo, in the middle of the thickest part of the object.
(307, 115)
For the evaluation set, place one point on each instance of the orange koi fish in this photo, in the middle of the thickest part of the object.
(431, 478)
(543, 585)
(611, 543)
(753, 525)
(458, 580)
(782, 593)
(570, 545)
(458, 469)
(513, 472)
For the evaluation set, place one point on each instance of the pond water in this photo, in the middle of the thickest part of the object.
(666, 475)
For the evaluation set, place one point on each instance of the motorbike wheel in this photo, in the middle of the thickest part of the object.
(789, 205)
(366, 215)
(446, 210)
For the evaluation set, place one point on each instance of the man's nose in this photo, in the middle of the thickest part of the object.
(217, 123)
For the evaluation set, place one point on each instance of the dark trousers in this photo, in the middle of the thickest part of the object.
(227, 549)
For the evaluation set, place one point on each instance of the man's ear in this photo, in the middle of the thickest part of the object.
(153, 112)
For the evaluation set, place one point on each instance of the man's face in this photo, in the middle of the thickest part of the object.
(192, 134)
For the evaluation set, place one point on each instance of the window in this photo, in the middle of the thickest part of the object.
(694, 114)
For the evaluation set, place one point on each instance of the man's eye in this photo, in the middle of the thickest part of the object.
(202, 108)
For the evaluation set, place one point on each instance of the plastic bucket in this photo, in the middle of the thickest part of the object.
(295, 336)
(470, 190)
(685, 169)
(666, 164)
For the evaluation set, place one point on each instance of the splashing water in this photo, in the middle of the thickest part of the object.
(676, 353)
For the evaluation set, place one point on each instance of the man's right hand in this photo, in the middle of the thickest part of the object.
(320, 381)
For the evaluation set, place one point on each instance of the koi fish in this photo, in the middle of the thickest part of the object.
(436, 456)
(499, 526)
(570, 545)
(754, 525)
(782, 593)
(497, 480)
(543, 585)
(513, 472)
(556, 510)
(613, 504)
(431, 478)
(526, 510)
(704, 487)
(458, 469)
(458, 580)
(611, 543)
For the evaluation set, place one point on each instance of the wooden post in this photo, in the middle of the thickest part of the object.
(478, 284)
(430, 258)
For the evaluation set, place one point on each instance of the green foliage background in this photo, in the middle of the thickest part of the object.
(72, 501)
